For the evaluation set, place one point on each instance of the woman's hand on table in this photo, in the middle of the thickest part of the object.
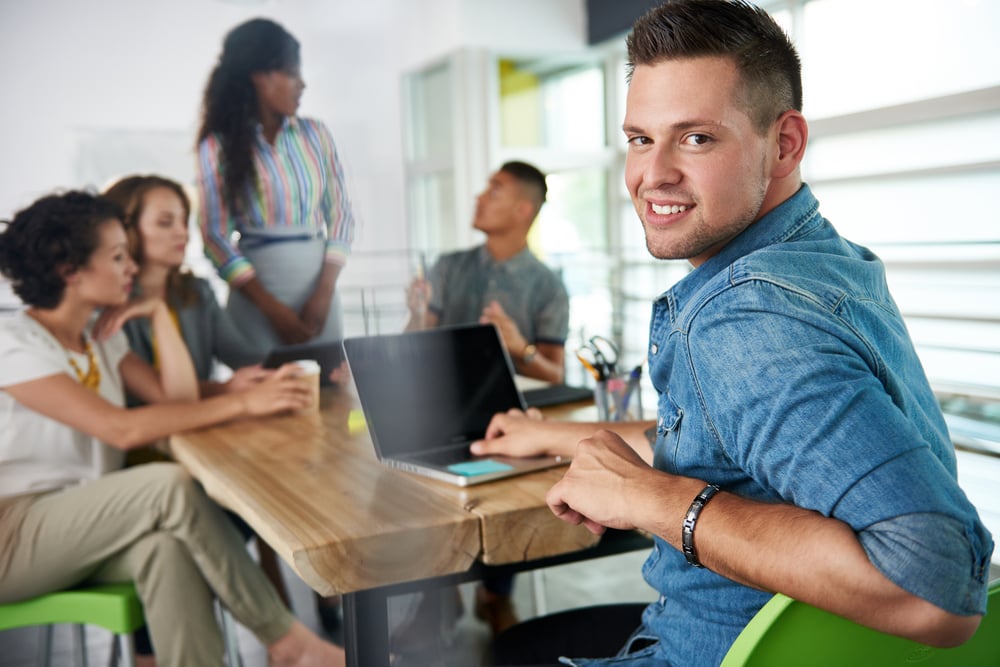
(283, 390)
(247, 376)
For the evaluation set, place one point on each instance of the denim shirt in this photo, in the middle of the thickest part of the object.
(785, 373)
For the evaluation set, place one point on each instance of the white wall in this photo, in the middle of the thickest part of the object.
(91, 89)
(97, 89)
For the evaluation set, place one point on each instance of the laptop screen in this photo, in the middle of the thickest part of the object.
(425, 390)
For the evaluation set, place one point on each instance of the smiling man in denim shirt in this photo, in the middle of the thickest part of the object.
(798, 446)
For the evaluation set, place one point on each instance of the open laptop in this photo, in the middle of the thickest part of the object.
(328, 354)
(427, 395)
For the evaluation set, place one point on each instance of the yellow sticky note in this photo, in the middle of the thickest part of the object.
(356, 422)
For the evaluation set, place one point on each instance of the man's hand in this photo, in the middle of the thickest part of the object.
(597, 489)
(418, 300)
(418, 296)
(514, 433)
(511, 336)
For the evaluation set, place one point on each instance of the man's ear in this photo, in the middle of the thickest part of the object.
(526, 211)
(792, 133)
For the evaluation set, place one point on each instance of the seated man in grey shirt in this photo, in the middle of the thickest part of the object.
(501, 281)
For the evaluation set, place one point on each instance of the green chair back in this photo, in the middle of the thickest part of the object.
(789, 633)
(115, 607)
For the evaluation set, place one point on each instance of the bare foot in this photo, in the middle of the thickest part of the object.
(300, 647)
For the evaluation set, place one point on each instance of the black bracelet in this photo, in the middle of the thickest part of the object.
(690, 519)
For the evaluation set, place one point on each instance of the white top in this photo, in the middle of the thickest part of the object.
(38, 453)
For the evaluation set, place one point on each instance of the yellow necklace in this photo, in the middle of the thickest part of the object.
(92, 378)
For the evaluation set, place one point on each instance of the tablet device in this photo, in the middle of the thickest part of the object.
(329, 355)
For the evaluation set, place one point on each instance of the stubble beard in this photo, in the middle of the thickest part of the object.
(697, 238)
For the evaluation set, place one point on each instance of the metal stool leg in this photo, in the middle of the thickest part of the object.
(229, 634)
(81, 645)
(538, 590)
(45, 645)
(127, 642)
(115, 657)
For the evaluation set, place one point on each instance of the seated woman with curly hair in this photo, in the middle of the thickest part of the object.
(68, 515)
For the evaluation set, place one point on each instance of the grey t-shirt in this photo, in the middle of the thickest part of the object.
(531, 293)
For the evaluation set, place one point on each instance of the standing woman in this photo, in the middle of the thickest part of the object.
(276, 179)
(68, 513)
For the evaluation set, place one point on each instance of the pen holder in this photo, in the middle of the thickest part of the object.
(618, 398)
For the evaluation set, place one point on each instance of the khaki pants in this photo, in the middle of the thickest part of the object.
(154, 526)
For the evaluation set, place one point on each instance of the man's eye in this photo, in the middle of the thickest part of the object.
(697, 139)
(638, 140)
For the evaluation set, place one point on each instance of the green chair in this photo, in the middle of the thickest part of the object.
(114, 607)
(789, 633)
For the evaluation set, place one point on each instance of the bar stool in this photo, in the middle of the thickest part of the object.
(114, 607)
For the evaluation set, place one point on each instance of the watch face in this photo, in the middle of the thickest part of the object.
(529, 354)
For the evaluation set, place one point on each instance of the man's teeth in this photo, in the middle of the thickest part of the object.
(667, 210)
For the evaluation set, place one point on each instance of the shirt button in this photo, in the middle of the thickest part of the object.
(653, 348)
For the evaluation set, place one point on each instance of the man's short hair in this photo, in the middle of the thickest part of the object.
(530, 176)
(768, 65)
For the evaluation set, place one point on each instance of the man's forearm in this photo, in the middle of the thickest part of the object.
(541, 368)
(801, 553)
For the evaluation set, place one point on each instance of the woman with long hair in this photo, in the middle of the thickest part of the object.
(276, 179)
(156, 214)
(157, 211)
(68, 514)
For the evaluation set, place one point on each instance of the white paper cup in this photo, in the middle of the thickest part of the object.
(310, 369)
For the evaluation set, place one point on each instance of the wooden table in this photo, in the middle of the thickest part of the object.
(346, 524)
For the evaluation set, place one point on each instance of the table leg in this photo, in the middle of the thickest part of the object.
(366, 628)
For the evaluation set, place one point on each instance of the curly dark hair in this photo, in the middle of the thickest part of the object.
(769, 66)
(52, 237)
(229, 105)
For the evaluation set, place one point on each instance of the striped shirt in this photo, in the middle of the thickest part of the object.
(299, 191)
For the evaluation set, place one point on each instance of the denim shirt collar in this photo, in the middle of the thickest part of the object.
(784, 222)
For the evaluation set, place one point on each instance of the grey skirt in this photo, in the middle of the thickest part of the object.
(288, 269)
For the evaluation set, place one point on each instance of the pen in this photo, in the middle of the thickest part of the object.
(633, 383)
(422, 269)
